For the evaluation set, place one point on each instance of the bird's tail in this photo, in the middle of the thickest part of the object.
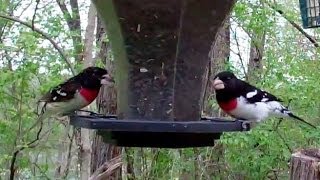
(301, 120)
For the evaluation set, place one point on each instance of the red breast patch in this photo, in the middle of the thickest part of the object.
(89, 94)
(229, 105)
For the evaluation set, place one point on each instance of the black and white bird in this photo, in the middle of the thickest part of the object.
(73, 94)
(243, 101)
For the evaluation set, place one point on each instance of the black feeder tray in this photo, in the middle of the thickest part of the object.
(156, 133)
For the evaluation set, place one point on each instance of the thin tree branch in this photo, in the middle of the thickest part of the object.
(73, 22)
(75, 15)
(34, 14)
(43, 34)
(23, 10)
(41, 171)
(12, 96)
(10, 12)
(31, 144)
(154, 160)
(295, 25)
(65, 12)
(66, 170)
(284, 141)
(239, 55)
(19, 130)
(16, 153)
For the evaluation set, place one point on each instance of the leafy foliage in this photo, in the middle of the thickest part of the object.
(30, 66)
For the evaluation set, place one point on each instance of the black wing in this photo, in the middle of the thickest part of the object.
(254, 94)
(63, 92)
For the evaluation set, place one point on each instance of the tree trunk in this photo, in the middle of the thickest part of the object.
(73, 21)
(107, 104)
(64, 155)
(256, 54)
(85, 134)
(305, 165)
(219, 55)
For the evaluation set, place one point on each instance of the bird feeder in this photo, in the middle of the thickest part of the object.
(161, 51)
(310, 13)
(157, 133)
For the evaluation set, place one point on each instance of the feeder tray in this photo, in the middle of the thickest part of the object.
(156, 133)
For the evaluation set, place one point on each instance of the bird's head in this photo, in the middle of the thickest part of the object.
(224, 81)
(94, 77)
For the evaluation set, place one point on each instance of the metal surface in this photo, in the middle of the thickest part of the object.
(110, 123)
(159, 134)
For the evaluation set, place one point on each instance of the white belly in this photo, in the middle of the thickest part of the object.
(61, 108)
(252, 112)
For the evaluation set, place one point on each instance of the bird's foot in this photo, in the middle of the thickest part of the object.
(248, 123)
(289, 102)
(63, 120)
(86, 112)
(278, 123)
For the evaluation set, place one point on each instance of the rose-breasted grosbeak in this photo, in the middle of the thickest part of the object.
(243, 101)
(73, 94)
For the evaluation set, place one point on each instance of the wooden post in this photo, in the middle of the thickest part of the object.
(305, 165)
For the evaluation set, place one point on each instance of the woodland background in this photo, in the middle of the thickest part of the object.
(41, 41)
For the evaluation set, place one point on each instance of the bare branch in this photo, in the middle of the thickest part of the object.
(295, 25)
(75, 15)
(154, 160)
(284, 141)
(73, 22)
(43, 34)
(66, 171)
(34, 14)
(41, 171)
(16, 153)
(239, 55)
(23, 10)
(65, 12)
(106, 169)
(10, 12)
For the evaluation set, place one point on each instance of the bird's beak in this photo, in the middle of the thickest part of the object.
(218, 84)
(107, 80)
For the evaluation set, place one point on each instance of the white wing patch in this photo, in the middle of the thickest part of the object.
(61, 93)
(264, 99)
(251, 94)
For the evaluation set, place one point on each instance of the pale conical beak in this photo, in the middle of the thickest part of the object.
(107, 80)
(218, 84)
